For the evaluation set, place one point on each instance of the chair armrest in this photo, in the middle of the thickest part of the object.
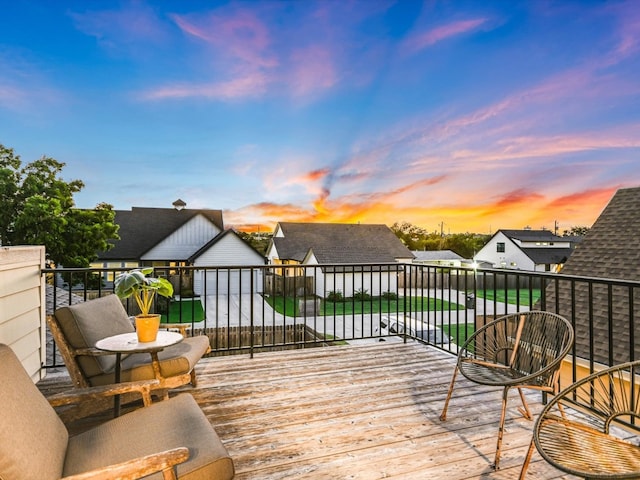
(91, 352)
(181, 327)
(77, 395)
(138, 467)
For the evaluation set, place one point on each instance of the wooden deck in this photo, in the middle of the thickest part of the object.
(359, 412)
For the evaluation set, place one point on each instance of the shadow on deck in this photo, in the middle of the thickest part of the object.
(356, 412)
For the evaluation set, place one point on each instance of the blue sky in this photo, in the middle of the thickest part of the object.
(473, 115)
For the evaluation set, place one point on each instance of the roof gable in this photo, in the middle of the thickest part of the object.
(339, 243)
(227, 234)
(143, 228)
(610, 249)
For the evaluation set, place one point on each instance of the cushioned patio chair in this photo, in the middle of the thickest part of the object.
(171, 437)
(592, 428)
(522, 350)
(76, 329)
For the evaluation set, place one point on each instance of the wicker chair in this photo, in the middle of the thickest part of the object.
(522, 350)
(592, 428)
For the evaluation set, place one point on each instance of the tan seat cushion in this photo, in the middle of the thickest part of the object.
(86, 323)
(33, 440)
(174, 360)
(177, 422)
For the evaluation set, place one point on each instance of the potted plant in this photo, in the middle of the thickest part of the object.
(143, 288)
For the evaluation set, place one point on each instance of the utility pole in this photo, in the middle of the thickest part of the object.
(555, 227)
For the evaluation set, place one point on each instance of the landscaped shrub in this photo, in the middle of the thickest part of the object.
(361, 295)
(390, 295)
(335, 296)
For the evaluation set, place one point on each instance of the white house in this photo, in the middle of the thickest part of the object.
(446, 258)
(183, 237)
(335, 246)
(534, 250)
(235, 261)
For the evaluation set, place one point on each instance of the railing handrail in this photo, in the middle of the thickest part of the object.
(450, 298)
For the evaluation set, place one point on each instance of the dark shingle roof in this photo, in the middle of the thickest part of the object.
(433, 255)
(141, 229)
(533, 235)
(548, 255)
(340, 243)
(611, 249)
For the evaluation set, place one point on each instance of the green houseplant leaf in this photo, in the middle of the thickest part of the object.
(137, 284)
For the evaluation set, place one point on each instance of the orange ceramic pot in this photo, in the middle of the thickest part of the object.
(147, 327)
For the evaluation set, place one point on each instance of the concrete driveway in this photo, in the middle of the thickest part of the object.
(235, 310)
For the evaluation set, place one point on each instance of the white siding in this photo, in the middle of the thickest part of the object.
(374, 283)
(22, 305)
(185, 241)
(230, 250)
(512, 257)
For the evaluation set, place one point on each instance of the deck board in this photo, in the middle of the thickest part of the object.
(359, 412)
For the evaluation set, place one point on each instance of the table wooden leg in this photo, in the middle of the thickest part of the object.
(116, 398)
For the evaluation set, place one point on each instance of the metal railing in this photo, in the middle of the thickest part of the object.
(266, 307)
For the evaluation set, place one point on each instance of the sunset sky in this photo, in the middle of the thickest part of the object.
(468, 116)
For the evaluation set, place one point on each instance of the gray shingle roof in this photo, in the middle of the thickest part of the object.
(611, 249)
(340, 243)
(548, 256)
(533, 235)
(432, 255)
(141, 229)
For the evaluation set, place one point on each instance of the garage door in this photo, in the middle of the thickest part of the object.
(225, 281)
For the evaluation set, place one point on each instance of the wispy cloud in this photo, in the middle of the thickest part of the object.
(424, 39)
(128, 29)
(240, 35)
(25, 86)
(250, 86)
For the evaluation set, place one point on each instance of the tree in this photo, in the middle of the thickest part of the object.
(37, 208)
(418, 238)
(259, 241)
(412, 236)
(576, 231)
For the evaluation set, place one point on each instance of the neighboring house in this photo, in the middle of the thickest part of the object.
(610, 249)
(534, 250)
(445, 258)
(176, 237)
(227, 250)
(335, 244)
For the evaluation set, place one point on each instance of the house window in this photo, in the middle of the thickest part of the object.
(500, 247)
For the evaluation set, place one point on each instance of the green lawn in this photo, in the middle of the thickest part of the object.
(457, 332)
(511, 298)
(289, 307)
(187, 310)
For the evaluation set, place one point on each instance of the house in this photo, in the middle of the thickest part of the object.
(446, 258)
(228, 250)
(535, 250)
(334, 245)
(177, 237)
(611, 249)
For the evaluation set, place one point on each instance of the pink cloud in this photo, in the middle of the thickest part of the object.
(241, 36)
(423, 40)
(312, 70)
(249, 86)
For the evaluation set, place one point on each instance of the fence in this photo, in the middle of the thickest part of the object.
(246, 309)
